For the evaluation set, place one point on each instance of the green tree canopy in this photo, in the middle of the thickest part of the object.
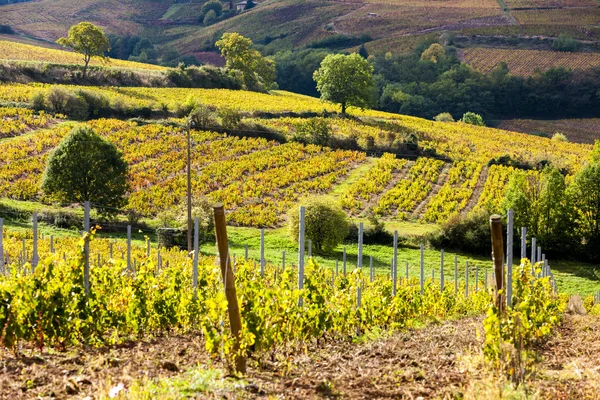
(85, 167)
(347, 80)
(87, 39)
(472, 119)
(584, 193)
(214, 5)
(258, 72)
(325, 225)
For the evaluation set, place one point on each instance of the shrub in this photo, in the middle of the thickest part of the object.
(313, 130)
(230, 118)
(472, 119)
(325, 225)
(565, 43)
(469, 234)
(202, 117)
(209, 18)
(444, 117)
(213, 5)
(98, 105)
(38, 101)
(559, 137)
(6, 30)
(64, 102)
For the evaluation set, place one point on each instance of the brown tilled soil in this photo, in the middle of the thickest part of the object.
(420, 363)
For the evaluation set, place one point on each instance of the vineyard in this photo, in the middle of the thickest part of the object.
(585, 130)
(11, 51)
(527, 62)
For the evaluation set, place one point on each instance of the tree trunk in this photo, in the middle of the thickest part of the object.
(343, 107)
(86, 59)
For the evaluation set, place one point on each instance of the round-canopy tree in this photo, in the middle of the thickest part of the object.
(87, 39)
(325, 225)
(85, 167)
(347, 80)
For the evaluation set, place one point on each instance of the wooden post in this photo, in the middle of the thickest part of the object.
(523, 242)
(395, 262)
(110, 249)
(2, 246)
(283, 261)
(344, 261)
(128, 247)
(360, 245)
(509, 256)
(301, 252)
(189, 188)
(235, 319)
(533, 250)
(371, 272)
(455, 274)
(148, 248)
(337, 262)
(407, 272)
(309, 248)
(51, 244)
(35, 258)
(442, 270)
(466, 279)
(86, 228)
(262, 252)
(196, 251)
(498, 258)
(246, 253)
(476, 278)
(422, 268)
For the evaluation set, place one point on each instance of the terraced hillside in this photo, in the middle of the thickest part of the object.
(259, 180)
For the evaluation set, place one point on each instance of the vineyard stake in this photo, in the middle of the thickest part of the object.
(1, 246)
(498, 258)
(309, 248)
(486, 279)
(422, 268)
(467, 279)
(523, 243)
(337, 262)
(246, 253)
(407, 272)
(533, 250)
(301, 253)
(395, 261)
(539, 254)
(432, 276)
(360, 245)
(159, 263)
(196, 251)
(189, 185)
(86, 228)
(110, 249)
(235, 320)
(262, 252)
(128, 247)
(442, 270)
(371, 275)
(35, 258)
(455, 274)
(148, 248)
(476, 278)
(344, 261)
(509, 256)
(283, 261)
(51, 244)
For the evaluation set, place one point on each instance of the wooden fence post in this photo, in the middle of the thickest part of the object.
(86, 228)
(235, 319)
(498, 258)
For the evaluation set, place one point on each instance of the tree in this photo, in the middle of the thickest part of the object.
(472, 119)
(347, 80)
(584, 193)
(565, 43)
(214, 5)
(88, 40)
(85, 167)
(249, 5)
(258, 72)
(362, 51)
(444, 117)
(209, 18)
(325, 225)
(434, 53)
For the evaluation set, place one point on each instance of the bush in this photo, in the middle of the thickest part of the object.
(565, 43)
(472, 119)
(213, 5)
(444, 117)
(63, 102)
(470, 234)
(313, 130)
(209, 18)
(6, 30)
(230, 118)
(559, 137)
(38, 101)
(97, 104)
(202, 117)
(325, 225)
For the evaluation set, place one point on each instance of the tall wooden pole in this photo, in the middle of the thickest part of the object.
(233, 309)
(189, 189)
(498, 258)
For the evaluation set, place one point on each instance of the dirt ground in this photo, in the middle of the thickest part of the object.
(421, 363)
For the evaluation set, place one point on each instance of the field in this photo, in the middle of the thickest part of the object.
(549, 3)
(526, 62)
(565, 16)
(576, 130)
(11, 51)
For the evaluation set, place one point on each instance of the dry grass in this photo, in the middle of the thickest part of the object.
(526, 62)
(549, 3)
